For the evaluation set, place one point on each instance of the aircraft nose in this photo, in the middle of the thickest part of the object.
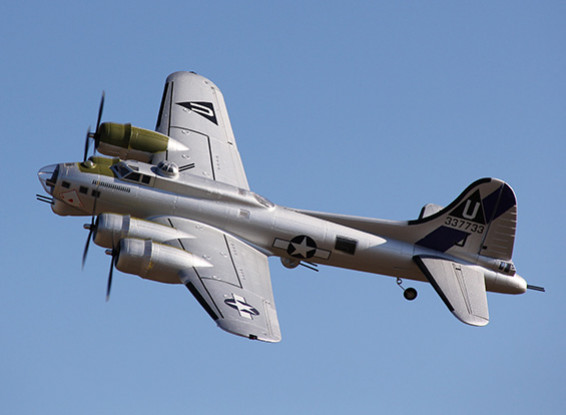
(48, 177)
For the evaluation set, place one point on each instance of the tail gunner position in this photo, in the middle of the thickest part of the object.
(174, 206)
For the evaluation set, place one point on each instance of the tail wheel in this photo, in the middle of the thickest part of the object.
(410, 294)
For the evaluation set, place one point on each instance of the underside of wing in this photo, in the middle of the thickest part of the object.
(461, 287)
(194, 114)
(236, 291)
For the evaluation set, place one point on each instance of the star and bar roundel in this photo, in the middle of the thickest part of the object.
(240, 304)
(301, 247)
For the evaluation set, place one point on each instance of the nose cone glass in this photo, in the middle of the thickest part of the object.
(48, 177)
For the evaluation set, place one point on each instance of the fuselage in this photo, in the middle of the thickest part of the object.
(140, 190)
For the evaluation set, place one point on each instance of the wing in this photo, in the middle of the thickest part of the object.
(193, 113)
(236, 291)
(461, 287)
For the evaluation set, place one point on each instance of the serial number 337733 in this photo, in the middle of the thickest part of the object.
(464, 225)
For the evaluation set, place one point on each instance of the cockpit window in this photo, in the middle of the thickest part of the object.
(125, 172)
(121, 170)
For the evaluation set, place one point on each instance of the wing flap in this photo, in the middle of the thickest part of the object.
(461, 287)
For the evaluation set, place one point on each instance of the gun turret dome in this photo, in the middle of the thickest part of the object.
(168, 169)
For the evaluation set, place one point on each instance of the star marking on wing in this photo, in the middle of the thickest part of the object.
(239, 303)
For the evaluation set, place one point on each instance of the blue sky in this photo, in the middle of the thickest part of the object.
(370, 109)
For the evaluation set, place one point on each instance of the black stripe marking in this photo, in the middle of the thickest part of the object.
(165, 89)
(442, 239)
(418, 260)
(201, 300)
(205, 289)
(170, 109)
(211, 158)
(187, 167)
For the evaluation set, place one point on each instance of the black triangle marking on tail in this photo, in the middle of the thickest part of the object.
(499, 202)
(471, 209)
(206, 109)
(454, 205)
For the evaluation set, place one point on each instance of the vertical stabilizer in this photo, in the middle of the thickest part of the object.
(481, 221)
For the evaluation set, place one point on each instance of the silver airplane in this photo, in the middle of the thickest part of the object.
(174, 206)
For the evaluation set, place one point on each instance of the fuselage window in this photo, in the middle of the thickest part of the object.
(134, 177)
(346, 245)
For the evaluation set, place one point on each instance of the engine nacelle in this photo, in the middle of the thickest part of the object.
(155, 261)
(110, 228)
(128, 142)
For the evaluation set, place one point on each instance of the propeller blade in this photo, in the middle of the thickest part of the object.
(86, 144)
(91, 227)
(109, 286)
(87, 244)
(100, 109)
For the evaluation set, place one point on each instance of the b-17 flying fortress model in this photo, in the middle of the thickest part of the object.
(174, 206)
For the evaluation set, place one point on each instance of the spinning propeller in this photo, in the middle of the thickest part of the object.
(96, 134)
(92, 227)
(114, 253)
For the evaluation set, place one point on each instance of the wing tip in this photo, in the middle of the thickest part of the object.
(248, 331)
(189, 75)
(472, 320)
(261, 337)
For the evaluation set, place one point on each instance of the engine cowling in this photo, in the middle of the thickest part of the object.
(128, 142)
(110, 228)
(155, 261)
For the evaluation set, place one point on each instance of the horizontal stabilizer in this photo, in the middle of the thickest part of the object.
(429, 210)
(461, 287)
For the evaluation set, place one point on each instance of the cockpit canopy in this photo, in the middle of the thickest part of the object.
(130, 173)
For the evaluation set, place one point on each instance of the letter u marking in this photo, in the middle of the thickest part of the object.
(466, 211)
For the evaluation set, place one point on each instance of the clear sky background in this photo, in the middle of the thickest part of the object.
(363, 108)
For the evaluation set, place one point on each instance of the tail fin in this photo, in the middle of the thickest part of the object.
(481, 221)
